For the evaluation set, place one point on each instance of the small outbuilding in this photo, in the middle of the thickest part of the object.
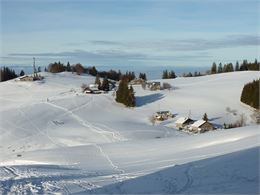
(201, 126)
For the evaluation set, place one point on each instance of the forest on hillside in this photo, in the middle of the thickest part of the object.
(250, 94)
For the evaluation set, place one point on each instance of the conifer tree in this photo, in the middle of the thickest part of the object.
(214, 68)
(131, 98)
(105, 84)
(97, 81)
(165, 74)
(172, 75)
(142, 76)
(220, 68)
(22, 73)
(124, 94)
(68, 67)
(237, 66)
(205, 117)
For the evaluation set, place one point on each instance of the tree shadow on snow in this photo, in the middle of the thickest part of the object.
(212, 119)
(147, 99)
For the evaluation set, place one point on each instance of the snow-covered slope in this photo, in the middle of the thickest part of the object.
(56, 139)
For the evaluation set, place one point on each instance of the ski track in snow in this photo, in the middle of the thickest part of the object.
(189, 181)
(99, 131)
(86, 123)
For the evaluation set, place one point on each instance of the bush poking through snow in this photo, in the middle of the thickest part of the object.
(239, 123)
(166, 86)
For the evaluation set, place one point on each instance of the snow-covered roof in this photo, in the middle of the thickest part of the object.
(181, 120)
(198, 123)
(24, 76)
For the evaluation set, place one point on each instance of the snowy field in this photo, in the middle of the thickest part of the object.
(55, 139)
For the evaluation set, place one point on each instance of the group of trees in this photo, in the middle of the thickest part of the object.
(195, 74)
(238, 67)
(249, 65)
(60, 67)
(7, 74)
(56, 67)
(129, 76)
(79, 69)
(125, 94)
(250, 94)
(142, 76)
(104, 85)
(168, 75)
(220, 68)
(111, 74)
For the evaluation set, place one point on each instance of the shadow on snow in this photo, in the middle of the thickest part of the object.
(147, 99)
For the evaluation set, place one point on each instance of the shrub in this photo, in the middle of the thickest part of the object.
(79, 69)
(166, 86)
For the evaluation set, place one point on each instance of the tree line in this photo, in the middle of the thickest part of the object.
(7, 74)
(250, 94)
(229, 67)
(78, 68)
(168, 74)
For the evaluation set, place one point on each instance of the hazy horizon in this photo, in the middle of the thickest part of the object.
(129, 33)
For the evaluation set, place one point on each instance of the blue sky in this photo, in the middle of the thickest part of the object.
(129, 32)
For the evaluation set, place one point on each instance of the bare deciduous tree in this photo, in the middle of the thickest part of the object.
(152, 120)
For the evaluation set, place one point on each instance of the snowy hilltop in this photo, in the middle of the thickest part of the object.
(57, 139)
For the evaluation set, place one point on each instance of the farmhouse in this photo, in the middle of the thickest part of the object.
(26, 78)
(138, 81)
(92, 89)
(162, 115)
(201, 126)
(183, 122)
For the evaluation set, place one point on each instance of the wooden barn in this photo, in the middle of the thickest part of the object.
(201, 126)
